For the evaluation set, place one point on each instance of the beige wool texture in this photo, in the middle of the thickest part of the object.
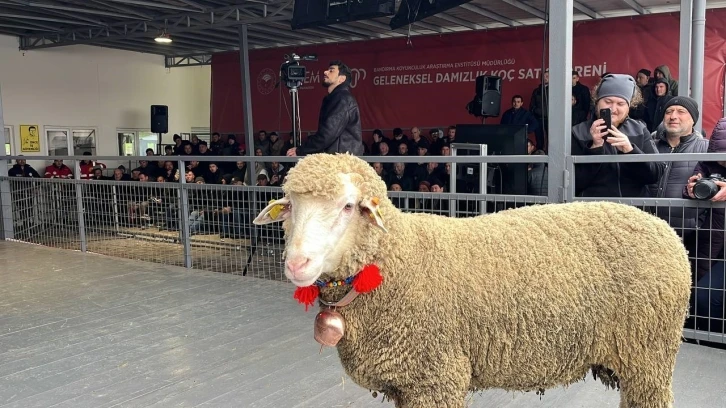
(523, 300)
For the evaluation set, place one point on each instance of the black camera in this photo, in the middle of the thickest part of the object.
(706, 187)
(291, 72)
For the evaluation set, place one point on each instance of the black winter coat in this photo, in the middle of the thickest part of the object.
(339, 128)
(615, 179)
(675, 176)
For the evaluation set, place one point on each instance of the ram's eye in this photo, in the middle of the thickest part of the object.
(349, 207)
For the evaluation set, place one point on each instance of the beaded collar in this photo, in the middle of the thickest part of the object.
(368, 279)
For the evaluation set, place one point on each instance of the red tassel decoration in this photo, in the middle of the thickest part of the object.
(368, 279)
(307, 295)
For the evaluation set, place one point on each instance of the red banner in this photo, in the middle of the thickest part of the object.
(428, 81)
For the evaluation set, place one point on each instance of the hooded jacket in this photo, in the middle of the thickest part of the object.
(655, 107)
(615, 179)
(672, 83)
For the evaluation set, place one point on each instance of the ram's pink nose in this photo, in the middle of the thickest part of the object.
(297, 265)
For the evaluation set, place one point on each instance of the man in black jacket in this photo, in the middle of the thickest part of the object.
(339, 129)
(678, 136)
(626, 136)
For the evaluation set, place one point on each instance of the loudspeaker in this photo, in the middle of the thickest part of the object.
(159, 118)
(489, 89)
(488, 83)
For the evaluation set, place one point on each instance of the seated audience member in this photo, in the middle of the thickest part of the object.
(276, 145)
(149, 168)
(235, 217)
(170, 174)
(378, 167)
(240, 170)
(216, 145)
(58, 170)
(120, 175)
(277, 173)
(198, 204)
(214, 175)
(399, 177)
(398, 202)
(22, 169)
(138, 201)
(87, 167)
(98, 175)
(626, 136)
(710, 238)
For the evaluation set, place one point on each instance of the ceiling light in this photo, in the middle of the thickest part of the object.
(163, 38)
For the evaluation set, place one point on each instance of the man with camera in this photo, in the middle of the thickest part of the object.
(612, 132)
(677, 135)
(708, 183)
(339, 128)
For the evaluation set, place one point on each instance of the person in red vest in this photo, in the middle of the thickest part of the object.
(88, 166)
(58, 170)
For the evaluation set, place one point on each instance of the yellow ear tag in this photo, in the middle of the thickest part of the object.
(276, 210)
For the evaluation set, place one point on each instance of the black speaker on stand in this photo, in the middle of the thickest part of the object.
(488, 99)
(159, 123)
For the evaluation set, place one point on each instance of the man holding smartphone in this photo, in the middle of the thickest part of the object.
(612, 132)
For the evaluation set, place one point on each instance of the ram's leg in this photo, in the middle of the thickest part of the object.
(639, 393)
(647, 382)
(437, 398)
(445, 387)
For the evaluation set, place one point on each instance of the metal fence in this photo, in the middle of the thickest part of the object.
(208, 226)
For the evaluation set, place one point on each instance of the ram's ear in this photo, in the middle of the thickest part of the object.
(370, 208)
(276, 211)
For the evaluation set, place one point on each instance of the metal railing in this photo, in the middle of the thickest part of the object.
(208, 226)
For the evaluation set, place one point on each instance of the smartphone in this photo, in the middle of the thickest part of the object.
(606, 115)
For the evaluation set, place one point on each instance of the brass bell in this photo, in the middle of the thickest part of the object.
(329, 327)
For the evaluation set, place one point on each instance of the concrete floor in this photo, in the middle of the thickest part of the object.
(92, 331)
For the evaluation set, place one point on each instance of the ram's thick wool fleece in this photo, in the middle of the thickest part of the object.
(524, 299)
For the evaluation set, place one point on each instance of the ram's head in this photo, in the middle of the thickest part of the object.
(332, 205)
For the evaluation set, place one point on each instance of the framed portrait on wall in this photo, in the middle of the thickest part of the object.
(29, 139)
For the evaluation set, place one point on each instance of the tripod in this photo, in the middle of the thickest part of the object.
(296, 140)
(295, 103)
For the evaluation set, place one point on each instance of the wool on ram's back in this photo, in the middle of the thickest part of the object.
(523, 299)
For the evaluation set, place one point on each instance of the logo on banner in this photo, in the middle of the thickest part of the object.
(266, 81)
(357, 74)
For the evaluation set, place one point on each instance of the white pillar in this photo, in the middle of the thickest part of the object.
(684, 49)
(244, 59)
(6, 206)
(697, 56)
(560, 98)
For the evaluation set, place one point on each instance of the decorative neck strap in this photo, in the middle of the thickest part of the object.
(368, 279)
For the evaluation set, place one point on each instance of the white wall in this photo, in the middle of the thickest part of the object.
(97, 87)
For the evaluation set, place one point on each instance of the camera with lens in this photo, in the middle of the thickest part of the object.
(291, 72)
(706, 187)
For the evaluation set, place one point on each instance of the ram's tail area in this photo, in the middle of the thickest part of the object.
(606, 376)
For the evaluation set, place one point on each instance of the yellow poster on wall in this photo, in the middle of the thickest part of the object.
(29, 139)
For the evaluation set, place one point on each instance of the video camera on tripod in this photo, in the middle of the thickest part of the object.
(293, 75)
(291, 72)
